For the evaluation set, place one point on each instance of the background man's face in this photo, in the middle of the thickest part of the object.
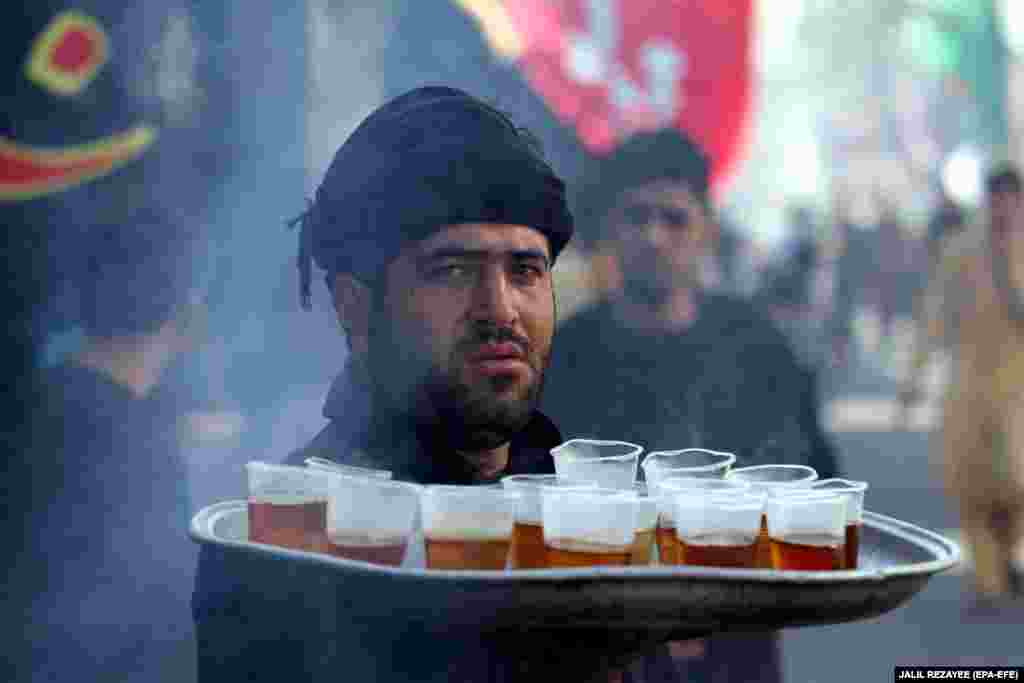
(461, 331)
(659, 232)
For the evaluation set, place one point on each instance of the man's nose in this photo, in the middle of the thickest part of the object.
(494, 298)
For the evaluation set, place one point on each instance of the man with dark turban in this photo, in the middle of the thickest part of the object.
(437, 223)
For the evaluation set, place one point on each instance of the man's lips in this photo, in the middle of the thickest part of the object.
(502, 351)
(498, 359)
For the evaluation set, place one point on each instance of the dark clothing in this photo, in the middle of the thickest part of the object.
(901, 269)
(730, 382)
(108, 565)
(945, 221)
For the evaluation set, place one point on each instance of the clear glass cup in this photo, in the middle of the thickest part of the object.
(527, 551)
(807, 530)
(588, 527)
(287, 506)
(609, 464)
(371, 519)
(646, 526)
(854, 492)
(350, 470)
(772, 479)
(690, 462)
(718, 528)
(668, 490)
(467, 527)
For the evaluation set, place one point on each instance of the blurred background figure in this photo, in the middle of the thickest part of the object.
(111, 147)
(678, 365)
(945, 222)
(111, 491)
(810, 293)
(901, 268)
(975, 309)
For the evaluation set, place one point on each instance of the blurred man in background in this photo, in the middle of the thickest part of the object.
(110, 500)
(974, 309)
(945, 222)
(664, 363)
(901, 268)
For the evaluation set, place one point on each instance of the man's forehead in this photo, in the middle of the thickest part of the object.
(496, 238)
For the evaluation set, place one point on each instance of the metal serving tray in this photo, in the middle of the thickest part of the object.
(658, 603)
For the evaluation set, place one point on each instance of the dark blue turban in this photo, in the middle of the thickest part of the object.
(432, 157)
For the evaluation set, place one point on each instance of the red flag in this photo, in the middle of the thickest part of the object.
(611, 67)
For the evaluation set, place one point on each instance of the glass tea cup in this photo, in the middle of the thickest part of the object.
(586, 527)
(527, 551)
(854, 492)
(350, 470)
(371, 519)
(287, 506)
(772, 480)
(646, 526)
(806, 530)
(718, 528)
(467, 527)
(609, 464)
(667, 491)
(690, 462)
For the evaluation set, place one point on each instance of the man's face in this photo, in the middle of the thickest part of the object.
(659, 232)
(1005, 209)
(461, 328)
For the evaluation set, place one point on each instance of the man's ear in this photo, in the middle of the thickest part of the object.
(352, 300)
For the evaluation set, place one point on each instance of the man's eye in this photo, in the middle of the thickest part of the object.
(449, 271)
(528, 272)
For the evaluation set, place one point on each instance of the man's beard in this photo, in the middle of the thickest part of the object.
(407, 383)
(652, 287)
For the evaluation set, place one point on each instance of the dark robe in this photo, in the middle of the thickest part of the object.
(106, 573)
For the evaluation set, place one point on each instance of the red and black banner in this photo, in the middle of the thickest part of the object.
(610, 67)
